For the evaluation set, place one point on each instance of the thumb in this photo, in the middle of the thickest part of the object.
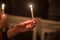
(3, 16)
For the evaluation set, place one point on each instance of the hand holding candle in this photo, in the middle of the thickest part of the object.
(31, 7)
(3, 17)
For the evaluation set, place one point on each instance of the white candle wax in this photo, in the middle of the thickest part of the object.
(3, 5)
(31, 11)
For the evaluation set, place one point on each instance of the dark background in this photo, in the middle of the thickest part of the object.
(47, 9)
(21, 7)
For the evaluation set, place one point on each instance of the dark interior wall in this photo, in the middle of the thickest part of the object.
(54, 10)
(44, 4)
(47, 9)
(20, 7)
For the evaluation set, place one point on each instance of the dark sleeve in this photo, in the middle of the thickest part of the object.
(4, 35)
(23, 36)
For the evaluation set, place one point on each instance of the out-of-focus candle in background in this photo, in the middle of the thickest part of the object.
(3, 6)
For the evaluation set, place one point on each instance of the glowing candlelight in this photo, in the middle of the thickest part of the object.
(3, 6)
(31, 7)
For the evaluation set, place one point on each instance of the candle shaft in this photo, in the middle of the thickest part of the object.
(3, 11)
(3, 5)
(32, 12)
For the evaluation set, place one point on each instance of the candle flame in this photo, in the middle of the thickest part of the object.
(3, 5)
(30, 6)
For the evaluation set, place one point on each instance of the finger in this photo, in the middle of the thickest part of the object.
(23, 24)
(3, 16)
(23, 30)
(30, 26)
(20, 26)
(33, 25)
(28, 21)
(33, 19)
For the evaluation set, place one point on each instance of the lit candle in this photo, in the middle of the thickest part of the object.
(34, 30)
(3, 5)
(31, 7)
